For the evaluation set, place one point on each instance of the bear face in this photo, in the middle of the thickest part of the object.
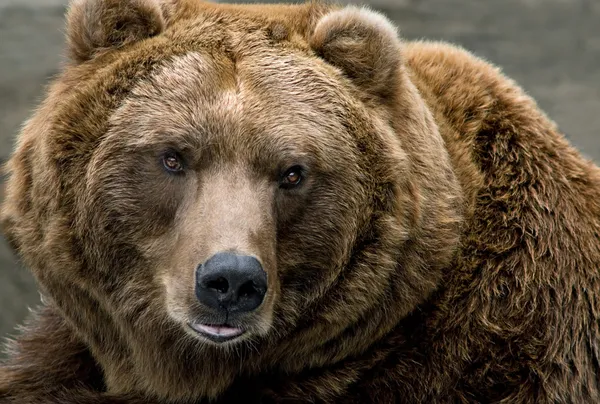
(229, 130)
(212, 184)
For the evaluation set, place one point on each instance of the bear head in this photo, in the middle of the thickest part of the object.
(211, 190)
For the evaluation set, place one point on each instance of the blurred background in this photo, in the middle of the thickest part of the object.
(550, 47)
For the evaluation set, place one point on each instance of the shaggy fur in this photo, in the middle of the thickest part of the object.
(444, 245)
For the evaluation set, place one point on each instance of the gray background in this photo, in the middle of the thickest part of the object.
(550, 47)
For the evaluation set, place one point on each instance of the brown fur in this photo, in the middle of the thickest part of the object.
(444, 246)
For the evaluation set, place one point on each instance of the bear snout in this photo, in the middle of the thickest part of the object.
(231, 283)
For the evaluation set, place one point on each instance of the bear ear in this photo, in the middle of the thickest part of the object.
(94, 25)
(364, 45)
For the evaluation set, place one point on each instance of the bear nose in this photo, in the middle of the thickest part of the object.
(226, 281)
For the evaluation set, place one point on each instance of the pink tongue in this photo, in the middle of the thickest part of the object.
(219, 330)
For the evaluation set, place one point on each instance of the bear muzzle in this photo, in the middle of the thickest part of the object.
(229, 285)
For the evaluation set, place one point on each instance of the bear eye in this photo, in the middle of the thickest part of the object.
(172, 162)
(292, 177)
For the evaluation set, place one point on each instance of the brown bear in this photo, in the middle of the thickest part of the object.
(277, 203)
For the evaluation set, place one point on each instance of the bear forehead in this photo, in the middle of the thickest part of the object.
(289, 100)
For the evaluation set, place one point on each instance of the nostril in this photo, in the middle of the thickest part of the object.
(248, 289)
(220, 284)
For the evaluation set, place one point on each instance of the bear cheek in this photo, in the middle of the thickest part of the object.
(143, 210)
(334, 209)
(130, 206)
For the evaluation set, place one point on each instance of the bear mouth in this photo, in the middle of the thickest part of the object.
(218, 333)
